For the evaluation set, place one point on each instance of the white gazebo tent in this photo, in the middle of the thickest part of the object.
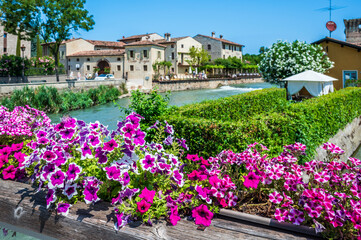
(317, 84)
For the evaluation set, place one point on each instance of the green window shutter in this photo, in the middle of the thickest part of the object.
(128, 52)
(141, 55)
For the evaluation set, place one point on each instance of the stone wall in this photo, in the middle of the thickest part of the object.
(347, 139)
(6, 89)
(181, 85)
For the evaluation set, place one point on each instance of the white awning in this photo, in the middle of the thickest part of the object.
(310, 76)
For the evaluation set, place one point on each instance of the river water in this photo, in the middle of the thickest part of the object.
(108, 114)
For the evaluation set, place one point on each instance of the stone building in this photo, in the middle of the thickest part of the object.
(139, 59)
(353, 30)
(8, 44)
(81, 55)
(177, 52)
(220, 47)
(142, 37)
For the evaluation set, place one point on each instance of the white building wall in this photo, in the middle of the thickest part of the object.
(216, 46)
(11, 41)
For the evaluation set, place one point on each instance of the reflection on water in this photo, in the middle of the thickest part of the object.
(109, 113)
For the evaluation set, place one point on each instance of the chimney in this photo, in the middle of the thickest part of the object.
(220, 36)
(213, 34)
(168, 37)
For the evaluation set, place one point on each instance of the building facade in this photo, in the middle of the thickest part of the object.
(142, 37)
(347, 59)
(139, 59)
(177, 52)
(353, 30)
(220, 47)
(8, 44)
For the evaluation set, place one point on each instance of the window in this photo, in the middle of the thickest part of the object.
(118, 67)
(88, 59)
(172, 46)
(62, 55)
(5, 50)
(69, 60)
(87, 67)
(131, 53)
(224, 46)
(349, 78)
(158, 54)
(173, 70)
(145, 67)
(5, 35)
(209, 46)
(224, 56)
(77, 59)
(118, 59)
(69, 67)
(172, 55)
(145, 53)
(131, 67)
(182, 46)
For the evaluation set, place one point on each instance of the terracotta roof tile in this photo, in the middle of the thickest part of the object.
(221, 39)
(135, 37)
(106, 43)
(143, 43)
(117, 52)
(172, 40)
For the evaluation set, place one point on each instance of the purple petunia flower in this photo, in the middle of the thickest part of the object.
(93, 140)
(134, 120)
(168, 128)
(202, 215)
(85, 150)
(110, 146)
(63, 208)
(73, 172)
(49, 156)
(121, 220)
(42, 141)
(113, 173)
(47, 169)
(56, 179)
(17, 147)
(147, 195)
(168, 141)
(67, 133)
(139, 138)
(50, 197)
(148, 162)
(90, 192)
(128, 130)
(41, 134)
(70, 190)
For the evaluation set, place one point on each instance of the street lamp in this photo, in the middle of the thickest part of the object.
(23, 50)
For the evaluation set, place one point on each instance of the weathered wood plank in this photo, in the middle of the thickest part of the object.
(21, 206)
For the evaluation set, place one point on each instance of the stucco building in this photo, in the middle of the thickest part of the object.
(347, 59)
(220, 47)
(142, 37)
(139, 59)
(8, 44)
(177, 52)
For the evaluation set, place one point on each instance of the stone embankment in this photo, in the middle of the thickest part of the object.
(181, 85)
(6, 89)
(348, 139)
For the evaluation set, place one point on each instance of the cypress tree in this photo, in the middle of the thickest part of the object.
(18, 46)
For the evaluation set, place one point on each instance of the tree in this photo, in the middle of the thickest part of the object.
(39, 50)
(54, 20)
(199, 56)
(285, 59)
(18, 42)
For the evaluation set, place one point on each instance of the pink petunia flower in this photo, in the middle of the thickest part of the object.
(202, 215)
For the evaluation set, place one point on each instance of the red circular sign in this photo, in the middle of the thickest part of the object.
(331, 26)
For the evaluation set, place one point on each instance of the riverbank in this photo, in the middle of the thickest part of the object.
(193, 84)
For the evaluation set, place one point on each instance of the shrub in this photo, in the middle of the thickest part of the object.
(311, 122)
(237, 107)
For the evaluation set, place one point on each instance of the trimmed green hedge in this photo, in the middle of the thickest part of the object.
(311, 122)
(237, 107)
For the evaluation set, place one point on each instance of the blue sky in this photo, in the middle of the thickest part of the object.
(253, 23)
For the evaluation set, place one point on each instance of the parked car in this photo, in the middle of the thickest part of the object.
(104, 77)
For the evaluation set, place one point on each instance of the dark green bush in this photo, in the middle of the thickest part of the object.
(237, 107)
(311, 122)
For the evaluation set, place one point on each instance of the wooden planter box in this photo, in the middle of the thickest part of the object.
(24, 210)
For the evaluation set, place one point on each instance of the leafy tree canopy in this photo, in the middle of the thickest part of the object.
(199, 57)
(285, 59)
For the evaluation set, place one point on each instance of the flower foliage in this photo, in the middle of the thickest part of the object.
(284, 59)
(74, 161)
